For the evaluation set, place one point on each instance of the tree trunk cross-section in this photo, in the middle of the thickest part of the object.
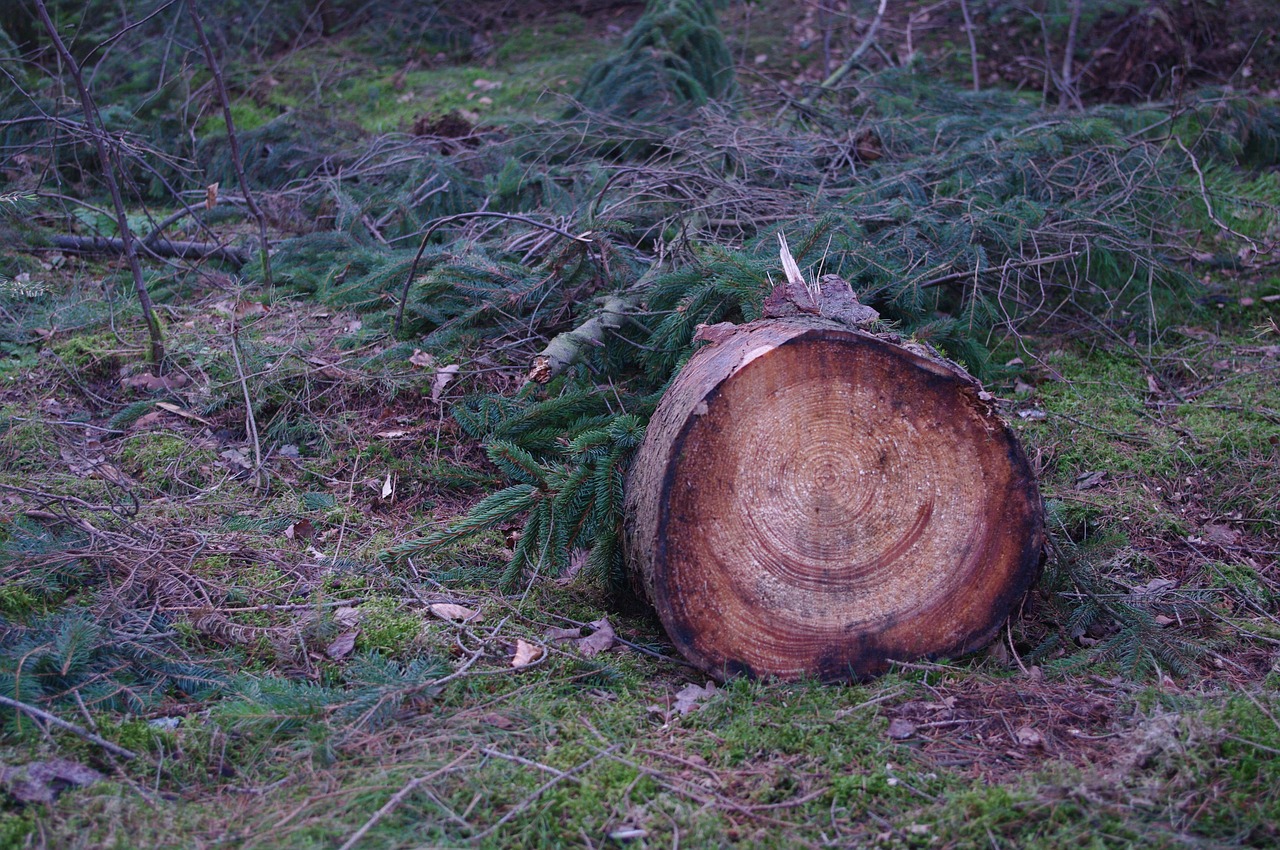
(811, 500)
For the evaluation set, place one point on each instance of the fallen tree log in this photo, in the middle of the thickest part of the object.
(814, 500)
(159, 247)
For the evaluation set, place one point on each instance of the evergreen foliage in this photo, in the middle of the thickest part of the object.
(75, 657)
(673, 58)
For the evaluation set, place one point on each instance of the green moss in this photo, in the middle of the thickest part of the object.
(386, 629)
(95, 357)
(167, 462)
(26, 443)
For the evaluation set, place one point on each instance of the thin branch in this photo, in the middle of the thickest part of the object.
(973, 47)
(54, 720)
(398, 797)
(840, 73)
(233, 140)
(110, 163)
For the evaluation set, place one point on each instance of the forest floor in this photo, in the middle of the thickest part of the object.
(303, 694)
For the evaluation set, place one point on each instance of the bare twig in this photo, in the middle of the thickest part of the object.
(840, 73)
(1067, 90)
(398, 797)
(250, 422)
(973, 46)
(110, 163)
(40, 714)
(233, 140)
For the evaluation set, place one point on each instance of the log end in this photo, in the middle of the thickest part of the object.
(812, 501)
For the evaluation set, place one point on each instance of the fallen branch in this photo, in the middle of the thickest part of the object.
(398, 797)
(422, 247)
(159, 247)
(840, 73)
(54, 720)
(564, 349)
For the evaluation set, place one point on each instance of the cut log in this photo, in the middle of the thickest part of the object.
(815, 501)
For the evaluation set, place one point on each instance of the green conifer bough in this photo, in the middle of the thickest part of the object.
(674, 57)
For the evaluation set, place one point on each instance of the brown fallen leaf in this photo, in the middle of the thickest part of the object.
(422, 359)
(156, 383)
(347, 616)
(1029, 737)
(454, 613)
(601, 638)
(300, 530)
(901, 729)
(210, 196)
(500, 721)
(342, 645)
(688, 697)
(444, 376)
(525, 654)
(555, 635)
(181, 411)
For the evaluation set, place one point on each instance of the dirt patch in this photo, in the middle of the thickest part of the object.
(994, 728)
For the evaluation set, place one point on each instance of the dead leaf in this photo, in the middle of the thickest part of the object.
(391, 435)
(456, 613)
(1029, 737)
(183, 412)
(1089, 480)
(599, 640)
(500, 721)
(300, 530)
(210, 196)
(146, 420)
(342, 645)
(156, 383)
(444, 376)
(43, 781)
(422, 359)
(901, 729)
(688, 697)
(525, 654)
(347, 616)
(388, 486)
(1220, 534)
(555, 635)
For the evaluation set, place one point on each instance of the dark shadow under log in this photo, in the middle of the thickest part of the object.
(812, 500)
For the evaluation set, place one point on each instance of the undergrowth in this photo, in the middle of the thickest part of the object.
(236, 569)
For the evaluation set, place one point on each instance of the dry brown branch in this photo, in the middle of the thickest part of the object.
(398, 797)
(856, 56)
(110, 165)
(80, 731)
(440, 222)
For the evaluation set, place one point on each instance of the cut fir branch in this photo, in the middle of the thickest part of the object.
(108, 155)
